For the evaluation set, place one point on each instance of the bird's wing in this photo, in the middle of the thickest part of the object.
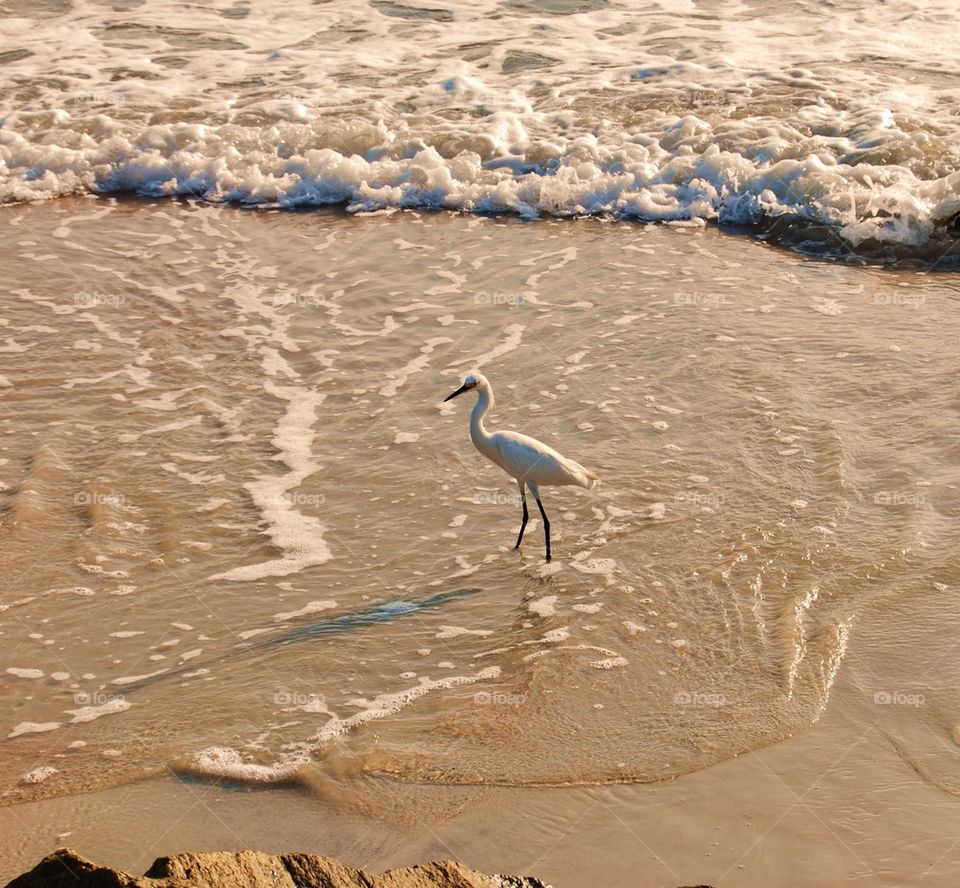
(528, 459)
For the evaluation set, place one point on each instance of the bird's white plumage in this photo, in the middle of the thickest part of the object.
(532, 461)
(528, 460)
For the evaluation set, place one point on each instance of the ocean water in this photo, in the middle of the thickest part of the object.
(244, 543)
(245, 539)
(829, 128)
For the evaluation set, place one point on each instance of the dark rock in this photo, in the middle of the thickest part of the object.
(253, 869)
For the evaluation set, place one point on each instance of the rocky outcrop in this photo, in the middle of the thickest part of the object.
(253, 869)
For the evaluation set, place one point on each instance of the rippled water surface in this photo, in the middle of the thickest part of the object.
(248, 553)
(245, 539)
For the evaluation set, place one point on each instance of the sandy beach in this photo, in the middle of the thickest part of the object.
(259, 586)
(841, 790)
(717, 632)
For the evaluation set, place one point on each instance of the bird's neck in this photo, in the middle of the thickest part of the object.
(478, 434)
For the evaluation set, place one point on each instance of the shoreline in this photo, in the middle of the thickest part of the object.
(838, 788)
(732, 823)
(265, 597)
(796, 238)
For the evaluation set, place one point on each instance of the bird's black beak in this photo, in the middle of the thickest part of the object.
(459, 391)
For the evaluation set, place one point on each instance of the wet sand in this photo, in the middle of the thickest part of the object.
(739, 669)
(835, 805)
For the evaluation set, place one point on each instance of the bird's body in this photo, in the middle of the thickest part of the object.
(529, 461)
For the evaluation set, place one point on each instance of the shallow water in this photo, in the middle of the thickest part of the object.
(259, 588)
(244, 539)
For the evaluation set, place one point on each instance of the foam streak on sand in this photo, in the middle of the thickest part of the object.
(312, 608)
(92, 713)
(225, 763)
(299, 536)
(398, 378)
(33, 728)
(510, 343)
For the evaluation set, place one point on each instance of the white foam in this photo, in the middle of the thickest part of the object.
(228, 764)
(299, 536)
(38, 775)
(510, 343)
(132, 679)
(447, 632)
(33, 728)
(544, 607)
(608, 663)
(829, 307)
(25, 673)
(398, 378)
(384, 705)
(222, 762)
(313, 607)
(605, 567)
(84, 714)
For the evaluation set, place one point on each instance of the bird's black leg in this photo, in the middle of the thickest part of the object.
(523, 522)
(546, 525)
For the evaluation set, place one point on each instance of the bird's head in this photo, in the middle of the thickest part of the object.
(473, 381)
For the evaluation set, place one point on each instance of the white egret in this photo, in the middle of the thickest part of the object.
(530, 462)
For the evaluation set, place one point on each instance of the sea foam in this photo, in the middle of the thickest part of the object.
(750, 127)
